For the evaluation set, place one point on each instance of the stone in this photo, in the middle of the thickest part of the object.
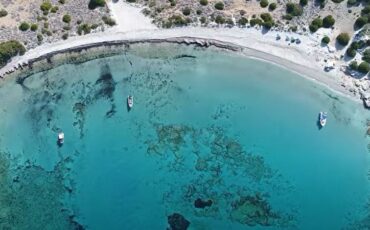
(178, 222)
(199, 203)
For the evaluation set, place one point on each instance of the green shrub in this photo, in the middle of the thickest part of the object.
(353, 65)
(325, 40)
(294, 9)
(303, 2)
(343, 39)
(351, 52)
(186, 11)
(288, 17)
(24, 26)
(10, 49)
(272, 6)
(173, 2)
(328, 21)
(363, 67)
(40, 38)
(255, 21)
(355, 45)
(34, 27)
(62, 1)
(360, 22)
(219, 6)
(65, 36)
(109, 21)
(96, 3)
(266, 17)
(199, 12)
(46, 25)
(67, 18)
(243, 21)
(337, 1)
(203, 2)
(351, 2)
(84, 29)
(45, 6)
(219, 19)
(366, 55)
(264, 3)
(54, 9)
(366, 10)
(203, 20)
(3, 13)
(315, 25)
(176, 20)
(229, 22)
(293, 28)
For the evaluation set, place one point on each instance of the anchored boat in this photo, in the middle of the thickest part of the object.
(322, 118)
(60, 138)
(130, 101)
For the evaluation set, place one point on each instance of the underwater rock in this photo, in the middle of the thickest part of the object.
(201, 164)
(178, 222)
(199, 203)
(252, 210)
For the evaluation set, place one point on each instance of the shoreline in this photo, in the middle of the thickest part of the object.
(26, 62)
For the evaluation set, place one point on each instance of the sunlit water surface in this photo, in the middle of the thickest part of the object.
(206, 124)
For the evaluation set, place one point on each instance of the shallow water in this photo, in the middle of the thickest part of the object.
(206, 124)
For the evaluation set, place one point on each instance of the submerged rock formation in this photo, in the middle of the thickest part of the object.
(178, 222)
(199, 203)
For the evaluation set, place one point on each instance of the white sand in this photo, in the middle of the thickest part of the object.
(128, 17)
(306, 58)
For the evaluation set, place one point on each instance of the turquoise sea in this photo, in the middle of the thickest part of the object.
(215, 140)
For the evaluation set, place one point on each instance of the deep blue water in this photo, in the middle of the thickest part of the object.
(214, 125)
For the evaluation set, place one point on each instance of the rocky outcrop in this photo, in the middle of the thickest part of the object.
(177, 222)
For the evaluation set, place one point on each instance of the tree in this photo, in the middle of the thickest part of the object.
(353, 65)
(219, 6)
(360, 22)
(67, 18)
(203, 2)
(343, 39)
(363, 67)
(264, 3)
(272, 6)
(10, 49)
(24, 26)
(328, 21)
(366, 55)
(351, 52)
(325, 40)
(303, 2)
(294, 9)
(315, 25)
(96, 3)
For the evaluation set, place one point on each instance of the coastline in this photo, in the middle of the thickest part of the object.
(306, 58)
(88, 43)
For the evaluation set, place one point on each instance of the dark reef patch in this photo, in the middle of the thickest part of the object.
(199, 203)
(214, 154)
(177, 222)
(32, 198)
